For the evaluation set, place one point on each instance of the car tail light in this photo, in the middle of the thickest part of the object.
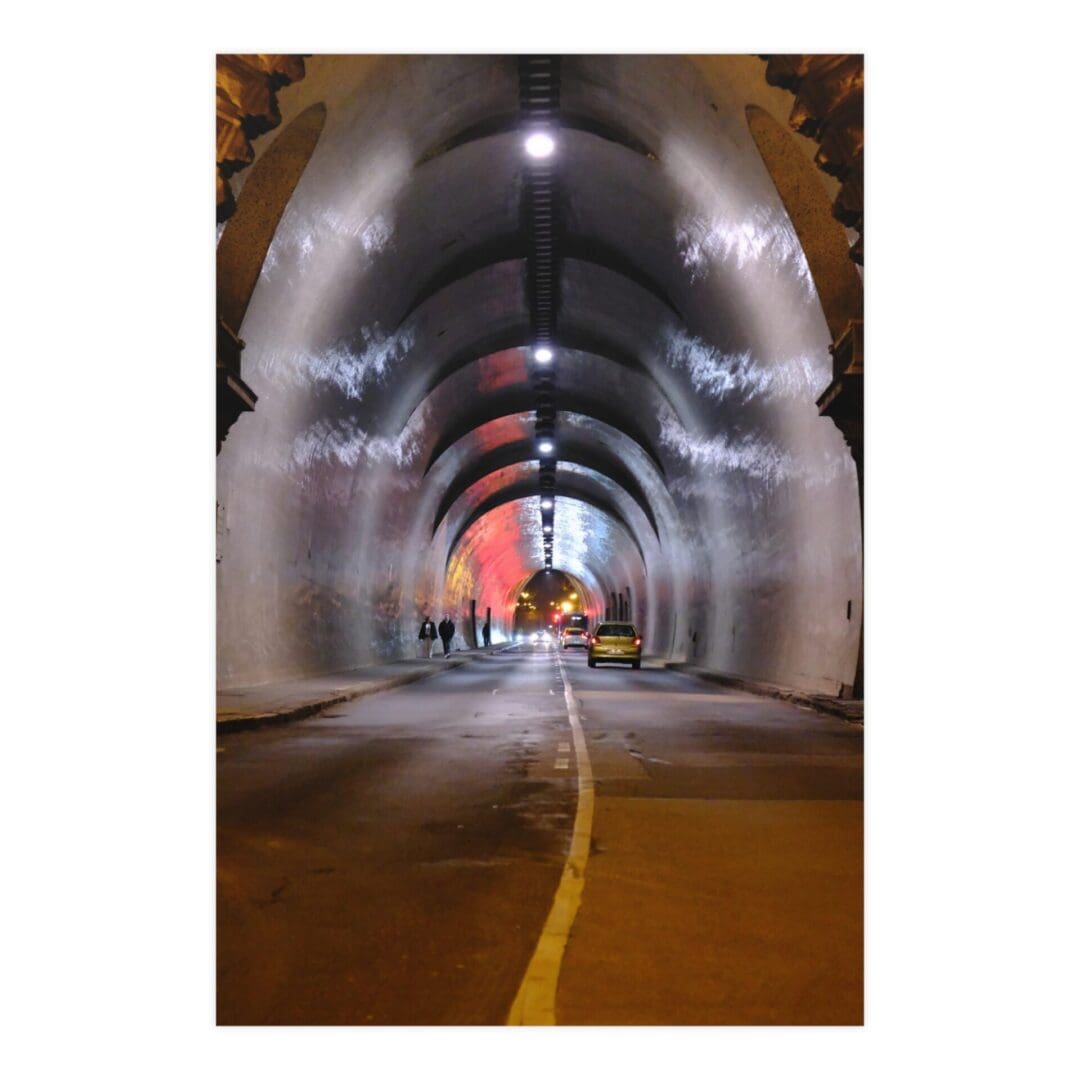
(637, 641)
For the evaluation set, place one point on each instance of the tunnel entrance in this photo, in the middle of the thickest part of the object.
(549, 600)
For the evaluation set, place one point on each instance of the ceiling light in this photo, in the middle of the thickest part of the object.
(543, 356)
(546, 446)
(546, 504)
(539, 145)
(547, 528)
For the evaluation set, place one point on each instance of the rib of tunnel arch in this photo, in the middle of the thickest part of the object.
(580, 451)
(499, 385)
(568, 486)
(601, 183)
(483, 546)
(501, 573)
(515, 248)
(484, 192)
(590, 599)
(578, 477)
(513, 125)
(487, 312)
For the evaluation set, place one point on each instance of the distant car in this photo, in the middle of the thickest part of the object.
(541, 637)
(615, 643)
(573, 637)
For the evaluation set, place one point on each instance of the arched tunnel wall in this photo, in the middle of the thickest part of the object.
(388, 341)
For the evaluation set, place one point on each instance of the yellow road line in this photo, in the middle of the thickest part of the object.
(535, 1000)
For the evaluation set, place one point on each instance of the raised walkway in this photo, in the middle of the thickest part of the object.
(247, 707)
(244, 708)
(845, 708)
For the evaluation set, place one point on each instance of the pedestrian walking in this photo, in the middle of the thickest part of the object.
(428, 633)
(446, 632)
(486, 631)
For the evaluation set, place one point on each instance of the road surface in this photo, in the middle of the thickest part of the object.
(396, 859)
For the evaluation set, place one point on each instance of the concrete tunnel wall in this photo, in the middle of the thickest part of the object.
(387, 339)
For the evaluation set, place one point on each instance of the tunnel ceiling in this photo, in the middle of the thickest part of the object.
(602, 358)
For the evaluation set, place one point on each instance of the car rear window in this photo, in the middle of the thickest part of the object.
(615, 630)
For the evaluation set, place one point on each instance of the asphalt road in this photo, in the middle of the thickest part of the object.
(394, 860)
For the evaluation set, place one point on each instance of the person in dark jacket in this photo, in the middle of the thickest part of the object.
(427, 637)
(486, 631)
(446, 632)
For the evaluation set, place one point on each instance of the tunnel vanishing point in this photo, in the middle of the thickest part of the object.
(478, 316)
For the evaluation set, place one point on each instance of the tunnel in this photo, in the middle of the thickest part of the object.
(491, 314)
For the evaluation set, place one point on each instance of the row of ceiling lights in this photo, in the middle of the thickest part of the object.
(539, 98)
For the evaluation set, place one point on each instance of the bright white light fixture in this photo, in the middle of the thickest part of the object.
(543, 356)
(547, 528)
(546, 504)
(546, 446)
(539, 145)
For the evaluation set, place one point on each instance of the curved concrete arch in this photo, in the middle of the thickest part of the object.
(585, 588)
(569, 488)
(454, 298)
(603, 568)
(438, 355)
(522, 338)
(507, 381)
(510, 123)
(602, 312)
(515, 400)
(572, 473)
(486, 566)
(525, 478)
(575, 451)
(511, 248)
(514, 248)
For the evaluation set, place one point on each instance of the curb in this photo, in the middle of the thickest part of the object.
(851, 711)
(227, 725)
